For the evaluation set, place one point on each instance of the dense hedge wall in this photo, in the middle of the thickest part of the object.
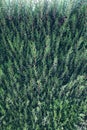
(43, 68)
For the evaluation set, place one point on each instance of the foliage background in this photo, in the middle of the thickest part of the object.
(43, 67)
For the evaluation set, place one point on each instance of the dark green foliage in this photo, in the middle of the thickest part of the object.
(43, 69)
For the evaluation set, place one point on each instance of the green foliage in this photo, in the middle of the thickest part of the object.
(43, 68)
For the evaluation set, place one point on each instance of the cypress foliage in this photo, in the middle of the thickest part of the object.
(43, 68)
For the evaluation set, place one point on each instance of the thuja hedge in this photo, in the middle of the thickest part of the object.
(43, 69)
